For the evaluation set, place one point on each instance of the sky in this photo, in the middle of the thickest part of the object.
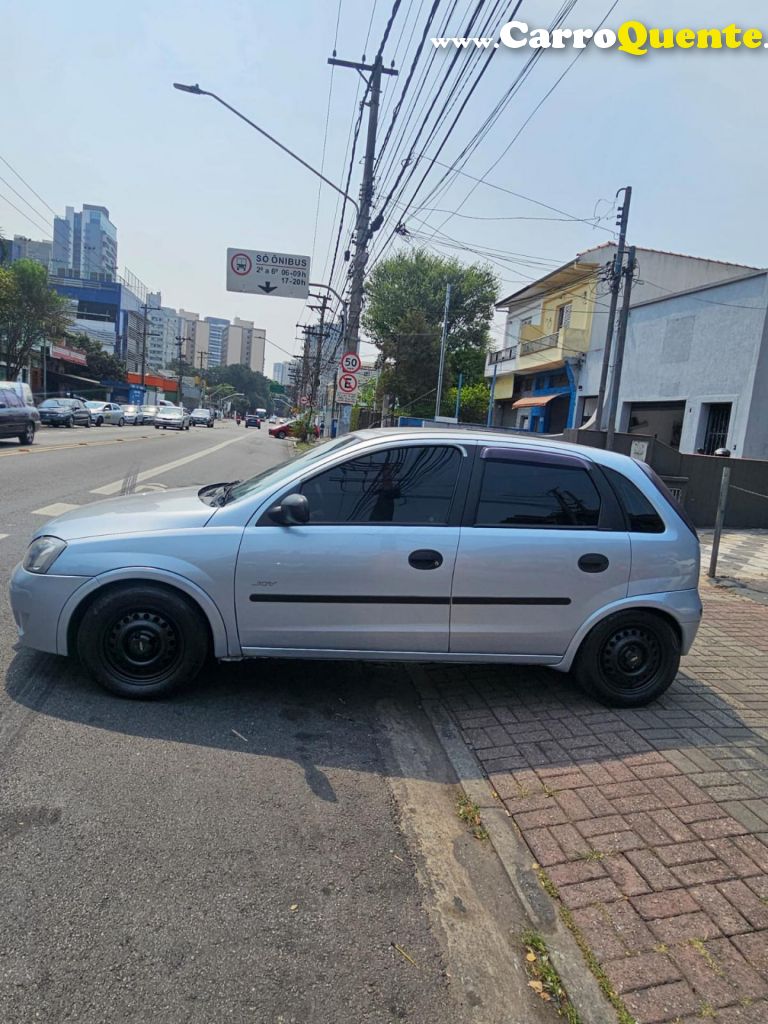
(88, 114)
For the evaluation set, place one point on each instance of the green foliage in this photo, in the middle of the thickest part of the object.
(403, 318)
(474, 402)
(101, 364)
(254, 386)
(30, 311)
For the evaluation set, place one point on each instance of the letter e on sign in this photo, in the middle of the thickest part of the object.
(348, 383)
(350, 362)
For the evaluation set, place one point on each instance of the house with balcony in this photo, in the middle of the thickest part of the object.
(545, 376)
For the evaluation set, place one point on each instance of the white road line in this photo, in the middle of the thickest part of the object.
(58, 508)
(4, 535)
(146, 474)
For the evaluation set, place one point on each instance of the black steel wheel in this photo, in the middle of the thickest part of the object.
(70, 421)
(629, 659)
(142, 640)
(28, 436)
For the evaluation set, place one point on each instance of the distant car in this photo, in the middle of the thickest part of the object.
(173, 417)
(447, 546)
(149, 412)
(17, 418)
(201, 418)
(289, 429)
(135, 415)
(106, 412)
(65, 412)
(273, 419)
(252, 419)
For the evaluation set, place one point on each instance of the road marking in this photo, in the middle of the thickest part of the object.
(4, 535)
(57, 509)
(146, 474)
(40, 449)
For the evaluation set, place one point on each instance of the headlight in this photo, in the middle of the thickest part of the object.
(42, 553)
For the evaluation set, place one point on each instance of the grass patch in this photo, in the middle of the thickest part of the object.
(469, 812)
(591, 854)
(545, 980)
(622, 1013)
(702, 950)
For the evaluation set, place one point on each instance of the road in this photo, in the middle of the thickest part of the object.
(279, 844)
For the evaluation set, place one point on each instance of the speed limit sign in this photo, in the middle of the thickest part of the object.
(348, 383)
(350, 362)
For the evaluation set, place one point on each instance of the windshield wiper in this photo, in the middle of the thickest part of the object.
(224, 496)
(210, 490)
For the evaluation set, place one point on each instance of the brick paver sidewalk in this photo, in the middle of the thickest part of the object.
(653, 824)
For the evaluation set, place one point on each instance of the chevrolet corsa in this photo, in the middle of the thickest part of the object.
(387, 545)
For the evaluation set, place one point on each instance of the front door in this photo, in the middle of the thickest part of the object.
(370, 571)
(541, 550)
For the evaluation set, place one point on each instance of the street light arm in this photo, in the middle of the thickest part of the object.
(197, 91)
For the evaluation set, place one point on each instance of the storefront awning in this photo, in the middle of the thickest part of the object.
(68, 355)
(536, 400)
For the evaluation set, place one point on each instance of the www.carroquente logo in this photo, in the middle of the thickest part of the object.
(631, 37)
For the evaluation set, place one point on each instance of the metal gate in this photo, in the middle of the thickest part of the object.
(718, 421)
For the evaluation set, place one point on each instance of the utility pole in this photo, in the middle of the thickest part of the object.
(363, 228)
(616, 272)
(179, 345)
(304, 384)
(319, 350)
(443, 343)
(621, 339)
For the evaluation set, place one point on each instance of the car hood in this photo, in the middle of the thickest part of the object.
(178, 509)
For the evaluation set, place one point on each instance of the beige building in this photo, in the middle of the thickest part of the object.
(243, 343)
(195, 336)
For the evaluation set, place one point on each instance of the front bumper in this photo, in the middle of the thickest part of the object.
(36, 602)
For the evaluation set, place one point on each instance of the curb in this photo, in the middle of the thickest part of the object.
(517, 860)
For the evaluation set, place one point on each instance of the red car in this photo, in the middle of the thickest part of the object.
(282, 430)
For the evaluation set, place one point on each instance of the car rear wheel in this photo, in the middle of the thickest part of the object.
(28, 436)
(629, 659)
(142, 641)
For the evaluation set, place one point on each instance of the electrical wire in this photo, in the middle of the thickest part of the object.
(36, 194)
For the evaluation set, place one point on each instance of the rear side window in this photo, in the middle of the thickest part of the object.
(664, 491)
(9, 398)
(640, 514)
(533, 494)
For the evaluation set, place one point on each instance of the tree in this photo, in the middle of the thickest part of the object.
(474, 402)
(254, 386)
(405, 298)
(101, 365)
(30, 311)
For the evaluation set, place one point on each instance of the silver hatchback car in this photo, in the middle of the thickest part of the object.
(386, 545)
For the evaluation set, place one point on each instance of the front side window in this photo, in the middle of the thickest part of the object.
(537, 494)
(405, 486)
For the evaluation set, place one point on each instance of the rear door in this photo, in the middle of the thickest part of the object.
(543, 546)
(12, 419)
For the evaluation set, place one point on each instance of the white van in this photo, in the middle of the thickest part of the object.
(24, 391)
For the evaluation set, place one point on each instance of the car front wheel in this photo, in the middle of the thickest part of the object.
(142, 640)
(280, 435)
(28, 437)
(70, 422)
(87, 422)
(629, 659)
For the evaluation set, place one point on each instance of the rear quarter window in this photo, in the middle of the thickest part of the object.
(639, 513)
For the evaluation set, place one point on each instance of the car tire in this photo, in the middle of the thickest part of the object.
(87, 422)
(280, 435)
(28, 437)
(209, 425)
(121, 422)
(156, 427)
(142, 641)
(69, 423)
(99, 421)
(629, 659)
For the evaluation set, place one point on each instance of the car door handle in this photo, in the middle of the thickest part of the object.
(593, 562)
(425, 558)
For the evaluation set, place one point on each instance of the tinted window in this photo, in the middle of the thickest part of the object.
(641, 516)
(50, 403)
(534, 494)
(400, 485)
(10, 399)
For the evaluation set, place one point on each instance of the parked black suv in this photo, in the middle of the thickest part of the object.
(65, 412)
(16, 418)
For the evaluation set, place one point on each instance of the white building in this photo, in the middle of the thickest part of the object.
(85, 244)
(161, 332)
(195, 335)
(243, 343)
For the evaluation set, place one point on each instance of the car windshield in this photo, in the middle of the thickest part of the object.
(51, 403)
(130, 408)
(199, 412)
(95, 405)
(172, 412)
(149, 408)
(278, 473)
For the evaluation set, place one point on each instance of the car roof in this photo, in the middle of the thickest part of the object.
(491, 437)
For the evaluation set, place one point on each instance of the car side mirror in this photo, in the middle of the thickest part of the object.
(293, 510)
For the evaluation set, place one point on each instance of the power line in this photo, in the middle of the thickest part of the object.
(36, 194)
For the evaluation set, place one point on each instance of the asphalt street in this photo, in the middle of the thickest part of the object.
(278, 844)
